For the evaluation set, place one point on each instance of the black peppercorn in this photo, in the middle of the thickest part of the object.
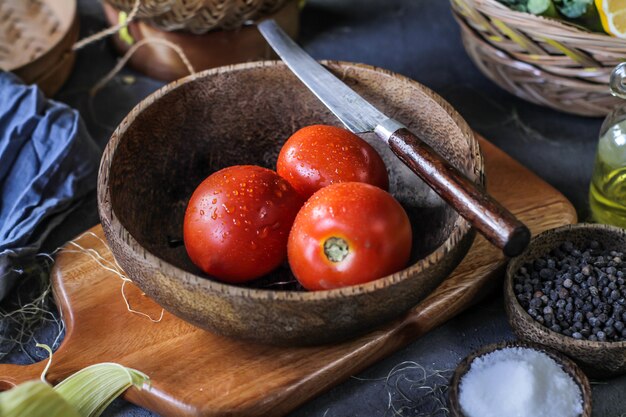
(577, 290)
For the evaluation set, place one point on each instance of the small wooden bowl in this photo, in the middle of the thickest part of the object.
(598, 359)
(568, 366)
(242, 114)
(36, 39)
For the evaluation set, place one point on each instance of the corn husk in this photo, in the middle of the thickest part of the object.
(87, 393)
(92, 389)
(34, 399)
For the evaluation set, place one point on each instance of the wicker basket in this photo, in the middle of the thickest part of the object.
(199, 16)
(541, 60)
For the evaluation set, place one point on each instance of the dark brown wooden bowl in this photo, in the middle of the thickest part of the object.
(598, 359)
(242, 114)
(568, 366)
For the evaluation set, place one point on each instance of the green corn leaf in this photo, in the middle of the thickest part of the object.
(91, 390)
(34, 399)
(87, 393)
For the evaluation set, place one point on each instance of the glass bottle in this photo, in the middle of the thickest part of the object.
(607, 193)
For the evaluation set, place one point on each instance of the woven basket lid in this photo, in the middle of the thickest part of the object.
(200, 16)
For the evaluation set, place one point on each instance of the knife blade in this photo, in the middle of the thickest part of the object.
(488, 216)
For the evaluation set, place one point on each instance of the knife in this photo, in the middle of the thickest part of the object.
(484, 213)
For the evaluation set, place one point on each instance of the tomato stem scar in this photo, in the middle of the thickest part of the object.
(336, 249)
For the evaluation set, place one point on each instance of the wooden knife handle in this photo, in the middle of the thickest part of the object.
(488, 216)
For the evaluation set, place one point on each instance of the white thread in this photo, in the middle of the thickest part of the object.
(107, 265)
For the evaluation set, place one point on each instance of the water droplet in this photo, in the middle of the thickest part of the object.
(217, 192)
(253, 244)
(202, 212)
(214, 201)
(263, 233)
(236, 222)
(214, 215)
(275, 225)
(235, 192)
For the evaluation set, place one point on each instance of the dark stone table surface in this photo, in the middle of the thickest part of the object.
(420, 39)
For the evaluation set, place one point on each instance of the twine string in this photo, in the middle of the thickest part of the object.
(120, 64)
(131, 51)
(111, 266)
(109, 31)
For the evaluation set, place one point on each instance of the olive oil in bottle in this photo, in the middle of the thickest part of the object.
(607, 194)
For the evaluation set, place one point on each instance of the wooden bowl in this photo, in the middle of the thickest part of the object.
(568, 366)
(209, 50)
(598, 359)
(242, 114)
(36, 39)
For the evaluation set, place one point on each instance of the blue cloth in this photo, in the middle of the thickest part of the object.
(48, 161)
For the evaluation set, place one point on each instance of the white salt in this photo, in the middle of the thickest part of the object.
(518, 382)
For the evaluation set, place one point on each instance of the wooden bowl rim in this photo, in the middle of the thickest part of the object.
(563, 361)
(460, 230)
(66, 26)
(509, 294)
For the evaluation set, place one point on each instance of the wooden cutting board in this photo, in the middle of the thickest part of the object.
(196, 373)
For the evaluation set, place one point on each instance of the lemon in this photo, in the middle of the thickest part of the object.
(613, 16)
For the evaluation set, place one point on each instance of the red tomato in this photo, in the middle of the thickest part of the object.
(348, 234)
(237, 222)
(317, 156)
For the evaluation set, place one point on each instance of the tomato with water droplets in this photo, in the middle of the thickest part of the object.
(319, 155)
(348, 234)
(237, 222)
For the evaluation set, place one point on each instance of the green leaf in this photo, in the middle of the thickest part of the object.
(542, 7)
(573, 8)
(519, 5)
